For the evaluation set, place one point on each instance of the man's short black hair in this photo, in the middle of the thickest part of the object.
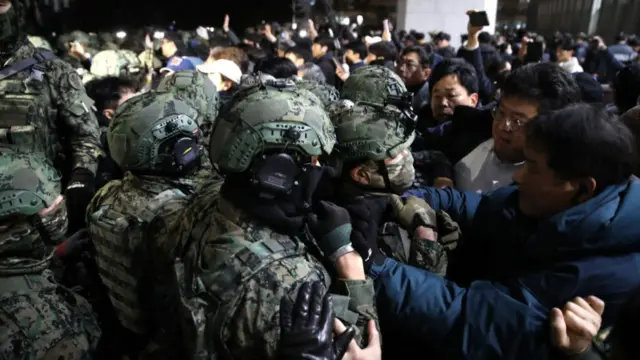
(464, 71)
(359, 48)
(426, 59)
(384, 49)
(105, 92)
(325, 41)
(584, 140)
(546, 84)
(280, 68)
(301, 53)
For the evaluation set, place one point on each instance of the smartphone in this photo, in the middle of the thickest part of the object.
(479, 18)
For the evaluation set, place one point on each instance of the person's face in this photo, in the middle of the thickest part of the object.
(447, 94)
(168, 48)
(509, 118)
(297, 61)
(5, 5)
(541, 193)
(318, 50)
(125, 94)
(410, 70)
(77, 48)
(400, 171)
(563, 55)
(351, 56)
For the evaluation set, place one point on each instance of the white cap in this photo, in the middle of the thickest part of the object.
(226, 68)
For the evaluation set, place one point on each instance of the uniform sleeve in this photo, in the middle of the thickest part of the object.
(362, 302)
(78, 122)
(484, 321)
(460, 205)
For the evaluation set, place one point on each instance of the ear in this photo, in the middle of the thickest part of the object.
(226, 85)
(360, 175)
(584, 189)
(474, 99)
(427, 72)
(108, 113)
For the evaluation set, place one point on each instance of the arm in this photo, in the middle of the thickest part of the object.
(461, 206)
(472, 54)
(486, 320)
(79, 122)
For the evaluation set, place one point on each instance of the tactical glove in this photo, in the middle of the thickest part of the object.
(413, 212)
(307, 327)
(330, 225)
(78, 194)
(366, 215)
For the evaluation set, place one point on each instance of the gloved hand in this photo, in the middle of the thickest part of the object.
(307, 327)
(73, 247)
(78, 194)
(413, 212)
(366, 214)
(331, 226)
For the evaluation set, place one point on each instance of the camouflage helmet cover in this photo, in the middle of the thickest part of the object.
(372, 84)
(115, 63)
(367, 131)
(326, 93)
(270, 115)
(197, 90)
(144, 128)
(28, 183)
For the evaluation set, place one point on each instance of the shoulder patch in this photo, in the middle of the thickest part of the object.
(74, 80)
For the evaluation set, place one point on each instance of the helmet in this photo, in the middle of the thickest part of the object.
(372, 84)
(115, 63)
(326, 93)
(28, 184)
(197, 90)
(367, 131)
(270, 115)
(155, 133)
(39, 42)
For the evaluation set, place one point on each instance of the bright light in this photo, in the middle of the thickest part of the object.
(345, 21)
(294, 26)
(158, 35)
(121, 34)
(359, 19)
(303, 33)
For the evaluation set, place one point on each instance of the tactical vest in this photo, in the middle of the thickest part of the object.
(42, 314)
(210, 299)
(27, 114)
(118, 237)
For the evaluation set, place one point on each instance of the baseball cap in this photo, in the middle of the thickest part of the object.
(226, 68)
(178, 63)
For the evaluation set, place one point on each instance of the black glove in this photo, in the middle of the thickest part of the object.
(330, 225)
(78, 194)
(307, 328)
(366, 213)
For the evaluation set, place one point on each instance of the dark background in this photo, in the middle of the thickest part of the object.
(108, 15)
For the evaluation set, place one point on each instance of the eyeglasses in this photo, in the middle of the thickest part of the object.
(513, 123)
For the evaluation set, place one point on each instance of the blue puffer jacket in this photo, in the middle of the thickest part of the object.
(511, 271)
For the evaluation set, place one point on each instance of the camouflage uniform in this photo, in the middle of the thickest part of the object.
(39, 319)
(379, 137)
(235, 268)
(154, 138)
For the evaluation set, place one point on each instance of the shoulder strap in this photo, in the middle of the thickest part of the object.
(151, 209)
(38, 57)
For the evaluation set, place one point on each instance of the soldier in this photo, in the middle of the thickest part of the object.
(326, 93)
(154, 138)
(115, 63)
(44, 110)
(373, 153)
(245, 246)
(373, 84)
(39, 319)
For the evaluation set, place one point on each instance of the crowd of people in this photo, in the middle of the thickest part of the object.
(304, 191)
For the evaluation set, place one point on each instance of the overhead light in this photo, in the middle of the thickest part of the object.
(121, 34)
(158, 35)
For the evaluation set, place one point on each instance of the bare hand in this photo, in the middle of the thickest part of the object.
(573, 327)
(373, 351)
(225, 25)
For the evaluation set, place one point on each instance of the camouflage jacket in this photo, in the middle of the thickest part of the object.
(124, 219)
(233, 274)
(40, 319)
(44, 108)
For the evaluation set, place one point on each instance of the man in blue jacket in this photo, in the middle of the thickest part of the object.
(568, 229)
